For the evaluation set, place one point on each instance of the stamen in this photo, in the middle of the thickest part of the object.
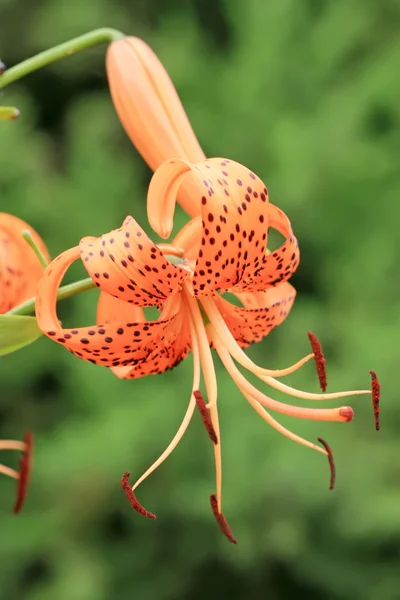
(210, 380)
(188, 415)
(331, 462)
(320, 361)
(264, 414)
(234, 349)
(24, 472)
(220, 518)
(132, 498)
(205, 415)
(343, 413)
(376, 396)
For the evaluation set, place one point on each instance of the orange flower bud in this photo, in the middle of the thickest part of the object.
(20, 268)
(151, 112)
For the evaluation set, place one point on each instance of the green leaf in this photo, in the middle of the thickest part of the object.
(16, 332)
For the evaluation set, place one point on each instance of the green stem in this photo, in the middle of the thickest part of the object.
(29, 239)
(64, 292)
(98, 36)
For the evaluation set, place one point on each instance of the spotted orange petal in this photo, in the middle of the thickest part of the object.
(260, 313)
(170, 350)
(234, 211)
(150, 109)
(119, 343)
(128, 265)
(277, 266)
(20, 268)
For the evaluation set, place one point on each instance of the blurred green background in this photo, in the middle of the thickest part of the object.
(306, 94)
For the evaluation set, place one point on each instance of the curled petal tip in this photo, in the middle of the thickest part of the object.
(132, 498)
(2, 67)
(347, 413)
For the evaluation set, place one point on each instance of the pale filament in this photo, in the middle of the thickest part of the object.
(264, 414)
(8, 471)
(188, 415)
(12, 445)
(210, 380)
(234, 349)
(266, 375)
(314, 414)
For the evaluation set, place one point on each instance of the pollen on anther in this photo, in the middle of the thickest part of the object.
(24, 472)
(220, 518)
(331, 462)
(376, 396)
(132, 498)
(320, 361)
(205, 415)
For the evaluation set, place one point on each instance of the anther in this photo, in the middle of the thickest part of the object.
(331, 462)
(376, 396)
(222, 522)
(205, 415)
(132, 498)
(24, 472)
(320, 361)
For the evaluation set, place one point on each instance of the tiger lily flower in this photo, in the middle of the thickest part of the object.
(22, 476)
(20, 268)
(221, 250)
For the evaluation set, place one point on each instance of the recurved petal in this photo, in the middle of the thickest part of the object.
(126, 264)
(20, 268)
(113, 344)
(234, 211)
(279, 265)
(150, 109)
(260, 313)
(169, 352)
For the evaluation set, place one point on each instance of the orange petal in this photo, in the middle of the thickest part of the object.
(20, 268)
(150, 110)
(128, 265)
(234, 211)
(261, 312)
(279, 265)
(165, 356)
(119, 343)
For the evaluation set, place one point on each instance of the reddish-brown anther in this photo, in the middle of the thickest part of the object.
(331, 462)
(376, 396)
(132, 498)
(205, 415)
(320, 361)
(220, 518)
(24, 472)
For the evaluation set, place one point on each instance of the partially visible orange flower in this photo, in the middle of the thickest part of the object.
(150, 110)
(22, 476)
(20, 268)
(222, 250)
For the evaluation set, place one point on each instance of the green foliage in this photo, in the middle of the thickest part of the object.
(306, 94)
(17, 332)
